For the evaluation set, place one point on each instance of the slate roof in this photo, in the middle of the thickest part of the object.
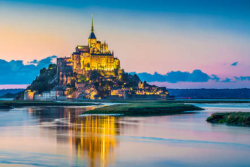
(92, 35)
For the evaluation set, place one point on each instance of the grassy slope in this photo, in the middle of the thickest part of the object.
(232, 118)
(149, 108)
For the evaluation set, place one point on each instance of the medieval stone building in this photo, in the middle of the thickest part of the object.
(94, 56)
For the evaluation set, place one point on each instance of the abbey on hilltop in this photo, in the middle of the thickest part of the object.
(94, 56)
(91, 72)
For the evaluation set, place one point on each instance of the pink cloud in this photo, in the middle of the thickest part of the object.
(13, 86)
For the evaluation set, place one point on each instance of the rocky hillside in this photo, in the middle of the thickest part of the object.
(46, 80)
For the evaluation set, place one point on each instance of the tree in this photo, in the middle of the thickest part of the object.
(95, 76)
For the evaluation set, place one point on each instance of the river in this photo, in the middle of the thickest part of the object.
(57, 136)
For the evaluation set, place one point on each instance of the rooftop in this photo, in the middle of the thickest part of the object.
(102, 54)
(92, 35)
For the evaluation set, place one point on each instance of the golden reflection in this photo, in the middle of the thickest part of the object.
(96, 139)
(91, 138)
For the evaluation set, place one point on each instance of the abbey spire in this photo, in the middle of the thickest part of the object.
(92, 25)
(92, 34)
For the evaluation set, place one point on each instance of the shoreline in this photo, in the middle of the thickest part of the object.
(13, 104)
(127, 108)
(123, 107)
(143, 109)
(170, 101)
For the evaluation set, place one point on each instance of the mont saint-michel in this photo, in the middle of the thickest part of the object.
(92, 71)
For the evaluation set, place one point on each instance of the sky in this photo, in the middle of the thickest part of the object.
(172, 43)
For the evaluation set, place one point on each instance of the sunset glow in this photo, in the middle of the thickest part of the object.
(162, 41)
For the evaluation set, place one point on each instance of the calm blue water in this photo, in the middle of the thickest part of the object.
(56, 136)
(6, 99)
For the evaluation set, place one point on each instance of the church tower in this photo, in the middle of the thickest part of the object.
(92, 38)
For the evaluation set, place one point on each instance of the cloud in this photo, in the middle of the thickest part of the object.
(227, 80)
(45, 62)
(215, 78)
(178, 76)
(235, 79)
(234, 64)
(15, 72)
(243, 78)
(33, 61)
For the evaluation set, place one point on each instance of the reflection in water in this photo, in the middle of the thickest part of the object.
(95, 138)
(56, 136)
(90, 137)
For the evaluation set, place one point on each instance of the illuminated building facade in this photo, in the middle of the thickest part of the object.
(95, 56)
(29, 95)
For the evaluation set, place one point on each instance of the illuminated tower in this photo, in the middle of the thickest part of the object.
(92, 39)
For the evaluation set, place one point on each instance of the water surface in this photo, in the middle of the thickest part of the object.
(57, 136)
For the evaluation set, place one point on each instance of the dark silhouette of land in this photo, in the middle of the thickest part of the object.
(243, 93)
(232, 118)
(210, 93)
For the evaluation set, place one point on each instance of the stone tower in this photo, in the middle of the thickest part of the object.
(92, 38)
